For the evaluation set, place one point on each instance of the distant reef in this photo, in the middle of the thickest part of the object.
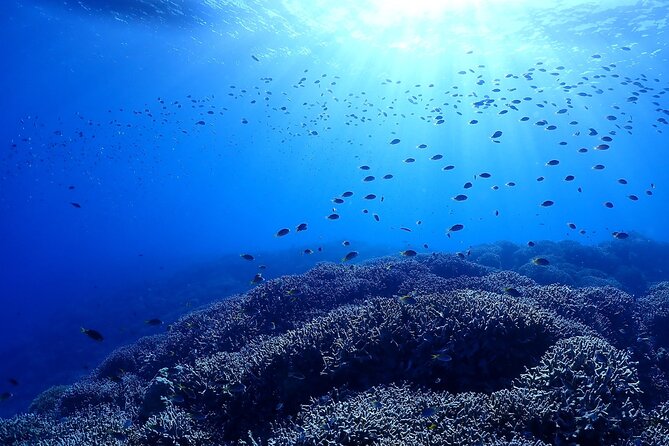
(436, 349)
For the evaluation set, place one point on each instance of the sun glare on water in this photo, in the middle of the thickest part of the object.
(424, 25)
(429, 25)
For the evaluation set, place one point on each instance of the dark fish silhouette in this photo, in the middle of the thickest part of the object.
(93, 334)
(350, 256)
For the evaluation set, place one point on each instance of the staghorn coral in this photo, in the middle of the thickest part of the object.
(584, 391)
(607, 310)
(300, 359)
(48, 400)
(104, 425)
(466, 340)
(656, 427)
(654, 314)
(391, 415)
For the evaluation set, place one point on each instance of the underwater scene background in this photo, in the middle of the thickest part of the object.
(362, 222)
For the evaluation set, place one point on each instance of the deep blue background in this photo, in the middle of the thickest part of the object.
(106, 98)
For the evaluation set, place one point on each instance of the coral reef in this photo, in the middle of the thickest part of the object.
(435, 349)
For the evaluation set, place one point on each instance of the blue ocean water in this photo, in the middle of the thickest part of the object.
(147, 144)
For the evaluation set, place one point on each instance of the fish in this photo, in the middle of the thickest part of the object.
(93, 334)
(153, 322)
(282, 232)
(409, 160)
(436, 157)
(308, 251)
(364, 167)
(346, 243)
(456, 227)
(395, 141)
(248, 257)
(531, 244)
(496, 135)
(608, 204)
(257, 279)
(540, 261)
(347, 194)
(598, 167)
(350, 256)
(547, 203)
(333, 216)
(571, 225)
(408, 253)
(4, 396)
(467, 185)
(301, 227)
(387, 176)
(294, 293)
(369, 178)
(460, 197)
(442, 357)
(13, 381)
(553, 162)
(485, 175)
(255, 58)
(407, 299)
(369, 197)
(513, 292)
(76, 205)
(620, 235)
